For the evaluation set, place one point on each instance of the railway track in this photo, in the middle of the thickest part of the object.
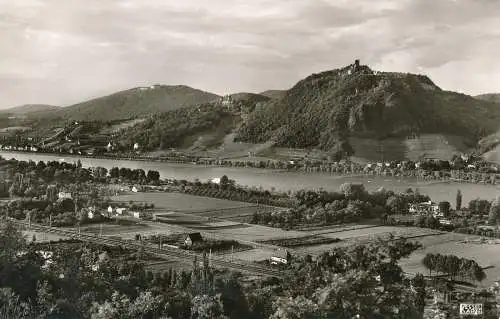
(163, 252)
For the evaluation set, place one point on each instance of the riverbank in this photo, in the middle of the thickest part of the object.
(338, 169)
(280, 180)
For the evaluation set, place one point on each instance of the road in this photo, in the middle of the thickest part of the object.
(165, 252)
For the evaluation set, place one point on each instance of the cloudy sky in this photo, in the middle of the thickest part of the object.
(64, 51)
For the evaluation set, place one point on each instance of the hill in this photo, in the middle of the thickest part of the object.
(273, 94)
(204, 126)
(135, 102)
(490, 97)
(253, 97)
(29, 108)
(328, 110)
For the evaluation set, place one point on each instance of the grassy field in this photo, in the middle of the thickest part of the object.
(181, 202)
(41, 237)
(485, 254)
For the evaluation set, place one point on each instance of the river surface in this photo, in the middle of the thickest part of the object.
(280, 180)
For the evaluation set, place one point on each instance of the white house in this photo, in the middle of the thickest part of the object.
(63, 195)
(134, 189)
(136, 214)
(90, 214)
(136, 146)
(110, 210)
(215, 180)
(121, 210)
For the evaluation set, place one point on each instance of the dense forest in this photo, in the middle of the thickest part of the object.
(170, 129)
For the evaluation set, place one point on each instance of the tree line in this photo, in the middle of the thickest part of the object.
(453, 267)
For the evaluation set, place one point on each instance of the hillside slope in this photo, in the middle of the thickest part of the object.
(136, 102)
(273, 94)
(327, 110)
(180, 128)
(490, 97)
(29, 108)
(251, 97)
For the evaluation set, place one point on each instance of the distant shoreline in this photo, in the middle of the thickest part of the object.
(429, 179)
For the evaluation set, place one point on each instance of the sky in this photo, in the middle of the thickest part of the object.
(62, 52)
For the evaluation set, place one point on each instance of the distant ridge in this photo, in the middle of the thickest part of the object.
(29, 108)
(244, 96)
(135, 102)
(274, 94)
(490, 97)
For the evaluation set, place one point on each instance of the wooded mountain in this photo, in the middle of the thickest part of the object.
(324, 110)
(135, 102)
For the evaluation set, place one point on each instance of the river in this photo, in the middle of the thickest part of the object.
(280, 180)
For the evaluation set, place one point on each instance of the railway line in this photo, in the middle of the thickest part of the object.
(165, 252)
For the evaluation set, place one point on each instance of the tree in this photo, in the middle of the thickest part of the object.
(153, 176)
(419, 286)
(295, 308)
(458, 203)
(353, 191)
(224, 181)
(397, 204)
(494, 214)
(207, 307)
(444, 208)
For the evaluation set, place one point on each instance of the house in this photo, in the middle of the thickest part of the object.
(134, 189)
(192, 239)
(444, 221)
(64, 195)
(215, 180)
(120, 210)
(90, 214)
(136, 146)
(429, 208)
(280, 257)
(136, 214)
(110, 210)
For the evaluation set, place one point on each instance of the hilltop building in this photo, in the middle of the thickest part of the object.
(226, 101)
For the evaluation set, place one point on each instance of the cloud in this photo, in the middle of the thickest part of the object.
(62, 52)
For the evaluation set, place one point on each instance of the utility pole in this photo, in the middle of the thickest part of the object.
(210, 258)
(50, 220)
(161, 237)
(100, 230)
(232, 252)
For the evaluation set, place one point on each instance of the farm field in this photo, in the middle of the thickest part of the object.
(368, 234)
(181, 202)
(380, 231)
(129, 231)
(257, 254)
(247, 232)
(41, 237)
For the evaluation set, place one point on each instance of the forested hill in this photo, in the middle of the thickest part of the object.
(178, 128)
(324, 109)
(136, 102)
